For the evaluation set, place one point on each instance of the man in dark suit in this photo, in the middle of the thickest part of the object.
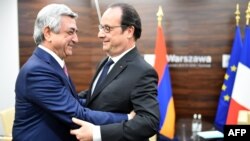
(131, 83)
(46, 99)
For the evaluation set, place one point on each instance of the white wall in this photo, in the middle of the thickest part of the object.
(9, 53)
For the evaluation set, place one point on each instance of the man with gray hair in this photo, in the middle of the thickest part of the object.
(46, 98)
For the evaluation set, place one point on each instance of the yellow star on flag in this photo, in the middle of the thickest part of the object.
(226, 97)
(226, 76)
(233, 68)
(224, 87)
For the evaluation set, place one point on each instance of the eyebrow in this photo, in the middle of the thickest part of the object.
(74, 29)
(105, 25)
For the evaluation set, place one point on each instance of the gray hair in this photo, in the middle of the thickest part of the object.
(50, 16)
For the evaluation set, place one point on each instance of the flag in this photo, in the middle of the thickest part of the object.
(165, 98)
(241, 91)
(229, 78)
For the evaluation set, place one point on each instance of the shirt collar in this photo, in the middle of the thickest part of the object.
(56, 57)
(117, 58)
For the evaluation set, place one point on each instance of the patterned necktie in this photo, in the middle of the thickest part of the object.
(104, 72)
(65, 70)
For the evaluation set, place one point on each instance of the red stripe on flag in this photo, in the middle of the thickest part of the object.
(160, 53)
(234, 107)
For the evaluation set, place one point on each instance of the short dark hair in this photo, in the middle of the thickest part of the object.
(130, 17)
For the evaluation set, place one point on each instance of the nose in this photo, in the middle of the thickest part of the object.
(75, 38)
(101, 34)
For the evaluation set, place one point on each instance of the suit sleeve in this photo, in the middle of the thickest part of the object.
(145, 104)
(53, 94)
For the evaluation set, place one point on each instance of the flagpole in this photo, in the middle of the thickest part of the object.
(98, 10)
(248, 14)
(237, 13)
(159, 15)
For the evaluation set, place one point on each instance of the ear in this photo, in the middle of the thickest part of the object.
(47, 34)
(131, 30)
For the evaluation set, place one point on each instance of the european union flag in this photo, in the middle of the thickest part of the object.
(229, 78)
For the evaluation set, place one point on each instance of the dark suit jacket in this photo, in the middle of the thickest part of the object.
(46, 101)
(130, 85)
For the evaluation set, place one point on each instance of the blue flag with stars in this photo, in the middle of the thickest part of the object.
(227, 87)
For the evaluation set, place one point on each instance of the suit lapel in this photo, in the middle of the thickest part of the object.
(116, 71)
(93, 80)
(43, 55)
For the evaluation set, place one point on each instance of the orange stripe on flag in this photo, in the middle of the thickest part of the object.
(168, 127)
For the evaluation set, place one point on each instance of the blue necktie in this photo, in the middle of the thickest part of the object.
(104, 72)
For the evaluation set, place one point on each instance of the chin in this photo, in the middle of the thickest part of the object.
(105, 48)
(69, 53)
